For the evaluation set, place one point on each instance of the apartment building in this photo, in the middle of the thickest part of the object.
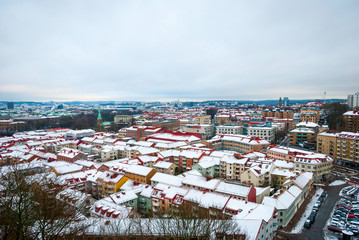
(12, 125)
(229, 129)
(279, 114)
(236, 142)
(165, 167)
(140, 173)
(353, 100)
(70, 155)
(140, 133)
(327, 144)
(266, 133)
(127, 119)
(348, 147)
(301, 135)
(351, 121)
(231, 167)
(289, 199)
(257, 173)
(206, 131)
(111, 182)
(223, 119)
(318, 164)
(206, 120)
(169, 136)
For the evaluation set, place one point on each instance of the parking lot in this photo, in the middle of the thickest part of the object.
(318, 229)
(345, 215)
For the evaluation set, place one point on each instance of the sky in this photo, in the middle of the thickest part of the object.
(188, 50)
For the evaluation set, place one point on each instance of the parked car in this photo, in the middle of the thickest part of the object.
(334, 228)
(316, 206)
(312, 217)
(307, 223)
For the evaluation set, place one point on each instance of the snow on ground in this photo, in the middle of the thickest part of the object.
(337, 183)
(300, 224)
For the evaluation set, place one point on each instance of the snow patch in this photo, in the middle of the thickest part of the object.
(337, 183)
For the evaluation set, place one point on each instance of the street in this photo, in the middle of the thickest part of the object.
(316, 230)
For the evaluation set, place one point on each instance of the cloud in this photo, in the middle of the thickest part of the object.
(149, 50)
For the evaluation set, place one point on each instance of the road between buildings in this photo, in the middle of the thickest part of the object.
(316, 230)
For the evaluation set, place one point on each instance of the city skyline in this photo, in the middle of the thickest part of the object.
(164, 51)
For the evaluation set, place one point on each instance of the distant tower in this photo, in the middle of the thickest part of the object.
(280, 102)
(99, 120)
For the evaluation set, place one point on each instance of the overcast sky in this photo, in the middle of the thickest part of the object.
(187, 50)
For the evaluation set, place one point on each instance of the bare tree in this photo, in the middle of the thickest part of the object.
(30, 209)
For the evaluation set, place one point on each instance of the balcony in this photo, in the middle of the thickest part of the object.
(155, 203)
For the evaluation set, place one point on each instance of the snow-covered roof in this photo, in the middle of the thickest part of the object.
(163, 165)
(139, 170)
(201, 182)
(233, 189)
(167, 179)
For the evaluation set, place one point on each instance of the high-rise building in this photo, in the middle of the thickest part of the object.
(280, 102)
(285, 101)
(353, 100)
(10, 105)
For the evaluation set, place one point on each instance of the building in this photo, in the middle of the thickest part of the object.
(353, 100)
(111, 182)
(348, 147)
(238, 143)
(140, 173)
(170, 137)
(206, 131)
(285, 101)
(140, 133)
(223, 119)
(263, 132)
(278, 114)
(327, 144)
(70, 155)
(10, 105)
(172, 125)
(309, 114)
(289, 199)
(229, 129)
(351, 121)
(79, 134)
(202, 120)
(123, 119)
(301, 135)
(318, 164)
(10, 125)
(165, 167)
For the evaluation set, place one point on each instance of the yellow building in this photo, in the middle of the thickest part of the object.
(111, 182)
(202, 120)
(301, 135)
(140, 173)
(223, 119)
(318, 164)
(327, 144)
(309, 114)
